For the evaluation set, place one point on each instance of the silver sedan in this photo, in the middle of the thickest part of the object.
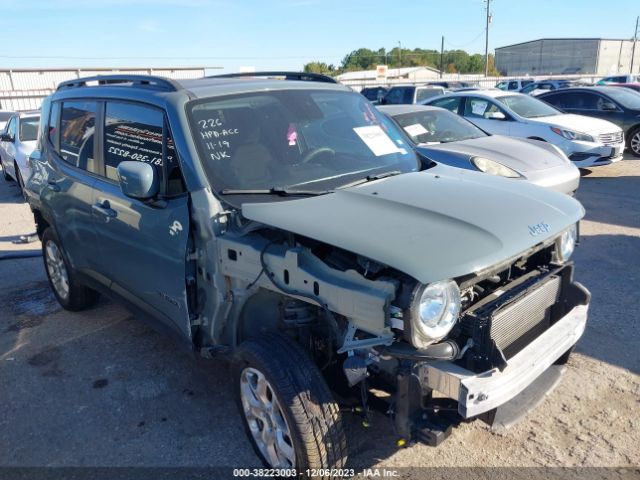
(449, 139)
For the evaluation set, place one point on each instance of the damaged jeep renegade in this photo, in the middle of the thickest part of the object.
(281, 223)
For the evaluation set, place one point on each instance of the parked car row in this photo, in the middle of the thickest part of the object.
(17, 141)
(588, 142)
(293, 229)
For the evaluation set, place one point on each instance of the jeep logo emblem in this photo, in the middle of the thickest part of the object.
(539, 229)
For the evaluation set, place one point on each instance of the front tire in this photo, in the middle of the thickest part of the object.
(71, 294)
(20, 183)
(634, 142)
(289, 413)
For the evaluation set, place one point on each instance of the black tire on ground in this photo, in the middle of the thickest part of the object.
(309, 410)
(20, 183)
(79, 297)
(633, 142)
(7, 177)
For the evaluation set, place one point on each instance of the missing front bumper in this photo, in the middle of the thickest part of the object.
(477, 393)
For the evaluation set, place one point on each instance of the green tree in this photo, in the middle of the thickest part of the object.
(319, 67)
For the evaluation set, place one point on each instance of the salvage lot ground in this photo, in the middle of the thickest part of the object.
(99, 388)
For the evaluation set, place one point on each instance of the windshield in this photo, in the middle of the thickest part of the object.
(29, 129)
(308, 139)
(528, 107)
(625, 97)
(437, 126)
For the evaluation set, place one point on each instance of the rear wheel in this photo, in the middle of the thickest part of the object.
(289, 413)
(634, 142)
(68, 291)
(7, 177)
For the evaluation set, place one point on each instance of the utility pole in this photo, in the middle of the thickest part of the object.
(486, 40)
(399, 54)
(441, 56)
(635, 39)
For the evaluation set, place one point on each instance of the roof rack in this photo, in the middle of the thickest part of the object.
(304, 76)
(148, 81)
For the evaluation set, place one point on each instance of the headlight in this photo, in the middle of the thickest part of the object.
(566, 243)
(435, 312)
(493, 168)
(571, 135)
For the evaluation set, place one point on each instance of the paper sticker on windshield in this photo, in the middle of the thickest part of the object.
(377, 141)
(478, 107)
(415, 130)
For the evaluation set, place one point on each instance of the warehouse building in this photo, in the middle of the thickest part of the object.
(549, 56)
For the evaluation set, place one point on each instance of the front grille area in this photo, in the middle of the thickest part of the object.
(502, 327)
(611, 139)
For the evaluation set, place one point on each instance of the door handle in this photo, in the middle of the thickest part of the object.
(105, 209)
(53, 186)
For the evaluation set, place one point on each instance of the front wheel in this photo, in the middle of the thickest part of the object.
(20, 183)
(634, 142)
(289, 412)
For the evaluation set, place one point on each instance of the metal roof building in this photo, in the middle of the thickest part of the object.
(548, 56)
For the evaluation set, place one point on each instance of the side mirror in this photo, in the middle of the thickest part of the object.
(138, 180)
(608, 107)
(496, 116)
(6, 137)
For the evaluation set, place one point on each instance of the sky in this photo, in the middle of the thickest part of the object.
(280, 34)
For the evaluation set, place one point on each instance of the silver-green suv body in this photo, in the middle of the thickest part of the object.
(287, 226)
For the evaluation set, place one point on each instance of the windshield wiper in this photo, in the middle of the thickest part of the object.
(371, 178)
(281, 191)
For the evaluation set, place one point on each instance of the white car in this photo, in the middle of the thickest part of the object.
(588, 142)
(16, 144)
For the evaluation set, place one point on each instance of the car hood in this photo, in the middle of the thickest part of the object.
(433, 225)
(519, 155)
(578, 123)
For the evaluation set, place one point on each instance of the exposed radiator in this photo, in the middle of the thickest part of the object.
(527, 317)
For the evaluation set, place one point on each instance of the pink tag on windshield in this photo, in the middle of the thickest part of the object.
(292, 135)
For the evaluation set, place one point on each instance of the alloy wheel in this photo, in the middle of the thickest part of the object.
(57, 270)
(635, 143)
(266, 419)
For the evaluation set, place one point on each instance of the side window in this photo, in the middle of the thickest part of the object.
(529, 88)
(132, 132)
(52, 124)
(560, 100)
(77, 133)
(513, 85)
(11, 127)
(395, 95)
(408, 95)
(452, 104)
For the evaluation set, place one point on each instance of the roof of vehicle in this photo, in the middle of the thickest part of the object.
(29, 113)
(402, 109)
(486, 92)
(595, 88)
(630, 84)
(206, 86)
